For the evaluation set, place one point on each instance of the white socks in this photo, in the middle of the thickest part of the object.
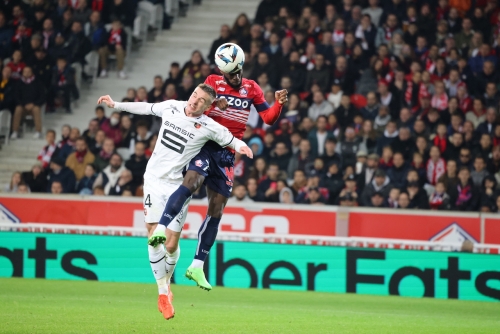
(197, 263)
(170, 262)
(156, 260)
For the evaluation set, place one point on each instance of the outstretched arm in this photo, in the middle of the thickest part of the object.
(139, 108)
(224, 138)
(271, 114)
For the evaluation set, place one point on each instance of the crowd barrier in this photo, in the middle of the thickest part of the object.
(259, 218)
(448, 275)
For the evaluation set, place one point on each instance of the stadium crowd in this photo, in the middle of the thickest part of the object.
(392, 103)
(40, 40)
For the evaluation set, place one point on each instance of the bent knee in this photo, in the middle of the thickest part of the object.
(193, 180)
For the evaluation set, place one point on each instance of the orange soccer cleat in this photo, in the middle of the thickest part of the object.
(165, 305)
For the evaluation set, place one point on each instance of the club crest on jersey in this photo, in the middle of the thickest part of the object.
(197, 125)
(243, 91)
(198, 163)
(222, 89)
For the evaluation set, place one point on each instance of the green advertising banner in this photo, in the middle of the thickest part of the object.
(259, 265)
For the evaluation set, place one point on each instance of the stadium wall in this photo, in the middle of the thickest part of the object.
(447, 275)
(262, 218)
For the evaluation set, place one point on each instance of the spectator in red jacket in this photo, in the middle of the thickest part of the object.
(111, 128)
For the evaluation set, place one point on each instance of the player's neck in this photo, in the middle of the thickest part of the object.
(194, 115)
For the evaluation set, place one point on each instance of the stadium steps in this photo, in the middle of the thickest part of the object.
(196, 31)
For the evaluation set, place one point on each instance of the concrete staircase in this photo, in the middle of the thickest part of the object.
(194, 32)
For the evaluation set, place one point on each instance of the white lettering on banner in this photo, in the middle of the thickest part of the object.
(259, 224)
(235, 221)
(193, 222)
(139, 219)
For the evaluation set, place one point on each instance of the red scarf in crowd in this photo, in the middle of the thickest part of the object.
(465, 104)
(440, 143)
(62, 78)
(388, 33)
(464, 194)
(496, 141)
(435, 170)
(27, 80)
(97, 5)
(338, 36)
(80, 156)
(436, 200)
(439, 102)
(104, 155)
(73, 4)
(16, 69)
(21, 34)
(115, 37)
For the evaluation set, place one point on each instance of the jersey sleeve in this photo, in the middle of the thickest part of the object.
(269, 114)
(142, 108)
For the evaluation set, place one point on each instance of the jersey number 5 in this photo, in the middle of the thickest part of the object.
(172, 144)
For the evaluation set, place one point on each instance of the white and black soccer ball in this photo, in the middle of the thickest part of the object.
(229, 58)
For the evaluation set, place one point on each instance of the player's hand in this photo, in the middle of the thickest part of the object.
(245, 150)
(281, 96)
(107, 100)
(221, 103)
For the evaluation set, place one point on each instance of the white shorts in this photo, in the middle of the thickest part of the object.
(156, 194)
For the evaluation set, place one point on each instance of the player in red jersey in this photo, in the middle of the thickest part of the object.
(213, 166)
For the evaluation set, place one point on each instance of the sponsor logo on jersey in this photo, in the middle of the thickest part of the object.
(220, 82)
(197, 125)
(243, 91)
(179, 129)
(222, 89)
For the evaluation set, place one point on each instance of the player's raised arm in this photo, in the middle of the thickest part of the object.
(138, 108)
(270, 114)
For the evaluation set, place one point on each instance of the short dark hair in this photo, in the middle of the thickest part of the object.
(209, 90)
(99, 108)
(50, 131)
(81, 139)
(141, 123)
(175, 64)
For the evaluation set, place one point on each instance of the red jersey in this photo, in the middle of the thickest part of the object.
(239, 101)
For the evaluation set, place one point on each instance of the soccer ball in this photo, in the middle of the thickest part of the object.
(229, 58)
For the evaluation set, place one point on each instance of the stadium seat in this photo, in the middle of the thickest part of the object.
(124, 152)
(92, 66)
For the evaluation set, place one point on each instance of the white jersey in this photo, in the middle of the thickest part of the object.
(180, 137)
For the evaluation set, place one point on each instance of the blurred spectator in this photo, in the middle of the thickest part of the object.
(5, 37)
(69, 146)
(49, 150)
(186, 88)
(15, 180)
(109, 176)
(120, 10)
(349, 147)
(111, 128)
(90, 134)
(464, 197)
(418, 196)
(303, 159)
(240, 195)
(193, 67)
(78, 45)
(84, 186)
(123, 185)
(94, 30)
(115, 43)
(29, 96)
(349, 196)
(63, 80)
(380, 183)
(56, 188)
(7, 87)
(397, 173)
(36, 179)
(436, 166)
(156, 93)
(225, 37)
(269, 187)
(440, 200)
(137, 163)
(321, 107)
(175, 76)
(61, 174)
(479, 172)
(332, 180)
(102, 160)
(80, 158)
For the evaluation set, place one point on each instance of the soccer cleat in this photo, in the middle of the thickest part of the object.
(157, 238)
(165, 305)
(197, 275)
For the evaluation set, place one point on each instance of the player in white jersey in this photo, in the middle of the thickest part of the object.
(184, 131)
